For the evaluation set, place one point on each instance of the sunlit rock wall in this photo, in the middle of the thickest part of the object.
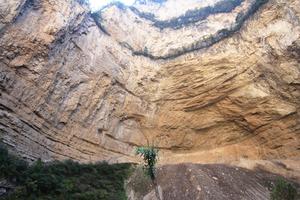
(205, 81)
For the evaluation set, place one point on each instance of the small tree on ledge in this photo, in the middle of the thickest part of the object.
(150, 156)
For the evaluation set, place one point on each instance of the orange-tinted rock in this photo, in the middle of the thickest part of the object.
(74, 86)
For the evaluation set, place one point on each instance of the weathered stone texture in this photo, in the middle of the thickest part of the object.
(92, 87)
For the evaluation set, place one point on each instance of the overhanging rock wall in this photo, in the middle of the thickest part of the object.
(214, 82)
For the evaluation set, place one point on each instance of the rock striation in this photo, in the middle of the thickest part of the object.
(213, 81)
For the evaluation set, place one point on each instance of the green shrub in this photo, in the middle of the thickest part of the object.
(63, 180)
(283, 191)
(150, 156)
(11, 167)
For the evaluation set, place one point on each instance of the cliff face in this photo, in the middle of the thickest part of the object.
(213, 81)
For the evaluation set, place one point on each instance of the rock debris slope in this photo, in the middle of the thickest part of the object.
(213, 81)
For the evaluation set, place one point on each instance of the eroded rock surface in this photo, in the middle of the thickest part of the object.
(201, 182)
(216, 82)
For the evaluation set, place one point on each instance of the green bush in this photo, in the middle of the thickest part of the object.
(11, 167)
(283, 191)
(63, 180)
(150, 156)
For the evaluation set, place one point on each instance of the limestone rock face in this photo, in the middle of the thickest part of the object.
(204, 81)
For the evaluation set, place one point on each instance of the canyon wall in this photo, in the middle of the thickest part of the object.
(204, 81)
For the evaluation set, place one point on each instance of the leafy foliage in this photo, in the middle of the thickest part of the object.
(150, 156)
(63, 180)
(11, 167)
(283, 191)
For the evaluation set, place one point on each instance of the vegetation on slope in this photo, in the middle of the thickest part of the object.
(283, 190)
(208, 40)
(190, 16)
(61, 180)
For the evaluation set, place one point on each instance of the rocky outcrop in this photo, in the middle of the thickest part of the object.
(214, 82)
(194, 181)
